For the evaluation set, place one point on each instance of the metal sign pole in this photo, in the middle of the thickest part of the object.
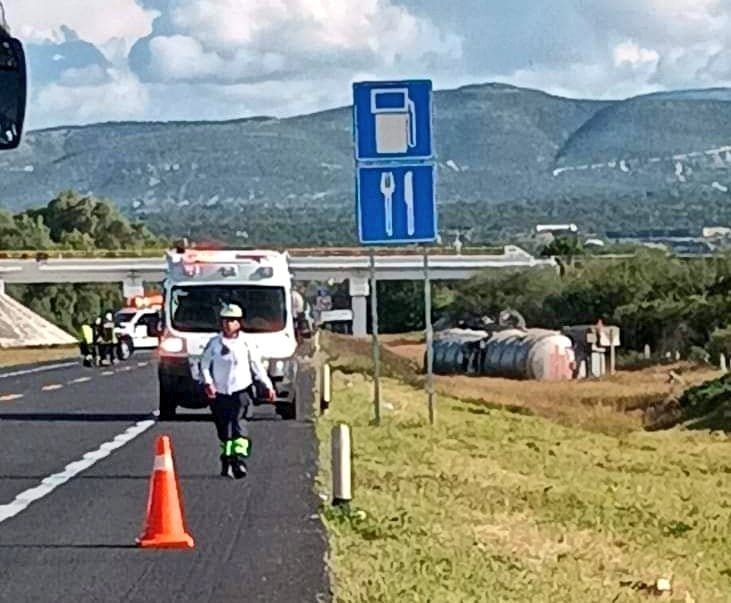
(429, 340)
(376, 349)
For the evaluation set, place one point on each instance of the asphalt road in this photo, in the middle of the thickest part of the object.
(257, 539)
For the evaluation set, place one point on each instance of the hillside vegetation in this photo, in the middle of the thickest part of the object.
(71, 222)
(508, 158)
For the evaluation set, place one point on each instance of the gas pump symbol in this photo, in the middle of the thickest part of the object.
(395, 120)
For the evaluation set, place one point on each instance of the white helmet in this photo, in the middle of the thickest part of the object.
(231, 311)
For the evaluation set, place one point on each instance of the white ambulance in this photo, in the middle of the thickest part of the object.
(197, 283)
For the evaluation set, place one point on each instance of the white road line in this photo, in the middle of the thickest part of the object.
(80, 380)
(124, 369)
(51, 388)
(10, 397)
(107, 373)
(49, 484)
(39, 369)
(141, 364)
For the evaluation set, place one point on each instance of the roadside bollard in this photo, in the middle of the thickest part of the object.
(325, 388)
(648, 354)
(341, 470)
(722, 363)
(317, 341)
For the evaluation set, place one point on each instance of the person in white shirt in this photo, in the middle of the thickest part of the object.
(230, 366)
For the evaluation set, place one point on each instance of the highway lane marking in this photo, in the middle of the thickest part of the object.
(10, 397)
(80, 380)
(39, 369)
(107, 373)
(52, 387)
(21, 502)
(142, 364)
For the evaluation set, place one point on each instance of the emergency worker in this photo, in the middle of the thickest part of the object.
(231, 368)
(88, 347)
(98, 340)
(109, 337)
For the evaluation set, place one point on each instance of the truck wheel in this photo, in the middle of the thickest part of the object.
(288, 411)
(125, 349)
(168, 406)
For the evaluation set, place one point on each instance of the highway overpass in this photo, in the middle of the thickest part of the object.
(133, 272)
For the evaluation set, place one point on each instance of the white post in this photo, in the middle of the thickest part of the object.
(359, 291)
(612, 352)
(341, 469)
(722, 363)
(2, 287)
(326, 392)
(648, 353)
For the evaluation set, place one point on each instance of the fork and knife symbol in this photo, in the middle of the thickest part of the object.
(388, 188)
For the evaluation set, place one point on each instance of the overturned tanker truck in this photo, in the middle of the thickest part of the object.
(505, 351)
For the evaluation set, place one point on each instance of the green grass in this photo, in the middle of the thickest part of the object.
(497, 506)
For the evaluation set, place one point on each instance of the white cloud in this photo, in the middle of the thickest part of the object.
(630, 53)
(211, 59)
(92, 75)
(120, 97)
(96, 21)
(230, 40)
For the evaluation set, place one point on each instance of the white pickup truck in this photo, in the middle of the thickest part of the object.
(139, 325)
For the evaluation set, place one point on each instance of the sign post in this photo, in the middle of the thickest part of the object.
(429, 340)
(376, 348)
(395, 185)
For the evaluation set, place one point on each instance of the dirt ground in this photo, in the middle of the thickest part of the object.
(616, 401)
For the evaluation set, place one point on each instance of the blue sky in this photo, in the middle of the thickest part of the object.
(98, 60)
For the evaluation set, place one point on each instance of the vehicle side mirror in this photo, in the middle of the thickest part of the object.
(13, 91)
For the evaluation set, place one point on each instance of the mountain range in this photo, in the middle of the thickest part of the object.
(508, 157)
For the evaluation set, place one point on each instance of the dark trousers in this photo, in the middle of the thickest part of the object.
(229, 415)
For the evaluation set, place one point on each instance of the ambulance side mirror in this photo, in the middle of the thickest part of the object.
(13, 90)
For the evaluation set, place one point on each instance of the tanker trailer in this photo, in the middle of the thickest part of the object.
(457, 351)
(528, 354)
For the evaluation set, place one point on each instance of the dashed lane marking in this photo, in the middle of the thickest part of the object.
(10, 397)
(39, 369)
(142, 364)
(107, 373)
(80, 380)
(49, 484)
(52, 387)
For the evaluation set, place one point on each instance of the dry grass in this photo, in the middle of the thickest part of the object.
(611, 405)
(20, 356)
(496, 506)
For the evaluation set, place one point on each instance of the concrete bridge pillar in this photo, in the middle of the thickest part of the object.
(132, 286)
(359, 290)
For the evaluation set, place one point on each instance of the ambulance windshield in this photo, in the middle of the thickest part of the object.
(195, 308)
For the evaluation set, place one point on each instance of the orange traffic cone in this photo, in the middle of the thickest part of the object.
(164, 524)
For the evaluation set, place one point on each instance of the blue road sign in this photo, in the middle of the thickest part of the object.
(393, 120)
(396, 204)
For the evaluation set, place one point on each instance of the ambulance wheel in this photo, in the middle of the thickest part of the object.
(168, 406)
(288, 411)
